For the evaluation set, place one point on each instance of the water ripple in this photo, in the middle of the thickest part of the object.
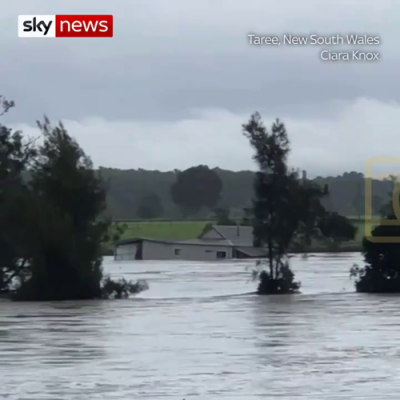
(201, 333)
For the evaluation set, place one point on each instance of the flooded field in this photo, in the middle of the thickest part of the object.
(199, 333)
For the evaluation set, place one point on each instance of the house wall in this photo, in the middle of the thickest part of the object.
(125, 252)
(165, 251)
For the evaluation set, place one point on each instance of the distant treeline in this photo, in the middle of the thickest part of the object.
(141, 194)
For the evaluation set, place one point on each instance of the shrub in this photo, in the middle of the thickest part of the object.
(121, 288)
(282, 282)
(381, 273)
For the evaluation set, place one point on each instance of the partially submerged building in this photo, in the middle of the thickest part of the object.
(220, 242)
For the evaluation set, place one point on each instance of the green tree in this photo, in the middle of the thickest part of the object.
(69, 197)
(5, 105)
(15, 211)
(69, 204)
(128, 187)
(336, 229)
(150, 207)
(381, 272)
(286, 208)
(222, 216)
(273, 213)
(195, 188)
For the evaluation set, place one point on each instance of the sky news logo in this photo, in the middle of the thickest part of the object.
(78, 26)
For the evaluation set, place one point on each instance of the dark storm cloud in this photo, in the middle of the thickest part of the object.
(170, 58)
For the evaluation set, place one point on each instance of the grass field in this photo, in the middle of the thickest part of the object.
(181, 230)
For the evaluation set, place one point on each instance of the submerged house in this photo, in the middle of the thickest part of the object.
(217, 243)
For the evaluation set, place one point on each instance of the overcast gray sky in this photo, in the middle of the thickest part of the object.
(173, 86)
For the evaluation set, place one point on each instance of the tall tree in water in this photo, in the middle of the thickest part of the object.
(69, 204)
(195, 188)
(52, 207)
(286, 208)
(381, 249)
(70, 200)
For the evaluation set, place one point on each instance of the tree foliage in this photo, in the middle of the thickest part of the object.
(222, 216)
(150, 207)
(52, 213)
(195, 188)
(128, 187)
(381, 272)
(336, 229)
(287, 208)
(121, 288)
(274, 216)
(69, 197)
(5, 105)
(16, 155)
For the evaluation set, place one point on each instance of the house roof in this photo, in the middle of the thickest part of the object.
(140, 239)
(236, 234)
(198, 242)
(232, 236)
(206, 242)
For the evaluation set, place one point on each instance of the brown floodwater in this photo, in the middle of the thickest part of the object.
(199, 333)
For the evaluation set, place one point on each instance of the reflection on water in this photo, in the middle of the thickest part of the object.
(200, 333)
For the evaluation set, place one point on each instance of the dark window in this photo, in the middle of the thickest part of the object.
(221, 254)
(177, 252)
